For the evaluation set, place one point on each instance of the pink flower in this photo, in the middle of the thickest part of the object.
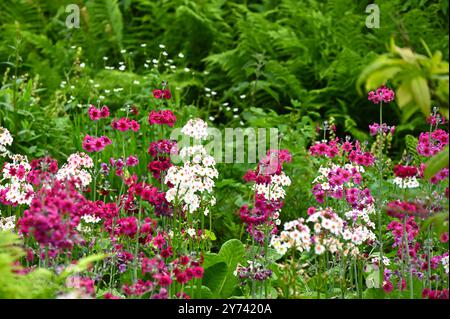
(134, 125)
(104, 111)
(96, 114)
(157, 94)
(163, 117)
(388, 287)
(132, 161)
(383, 94)
(123, 124)
(93, 144)
(166, 94)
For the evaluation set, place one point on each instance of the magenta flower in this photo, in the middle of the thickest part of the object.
(383, 94)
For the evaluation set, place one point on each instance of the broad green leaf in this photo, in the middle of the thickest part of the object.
(403, 94)
(436, 163)
(421, 94)
(215, 278)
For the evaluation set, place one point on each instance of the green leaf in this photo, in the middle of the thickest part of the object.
(219, 268)
(215, 278)
(436, 163)
(421, 94)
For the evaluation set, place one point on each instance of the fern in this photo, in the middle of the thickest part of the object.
(411, 143)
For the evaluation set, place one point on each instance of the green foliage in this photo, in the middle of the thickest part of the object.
(219, 268)
(436, 163)
(416, 77)
(37, 283)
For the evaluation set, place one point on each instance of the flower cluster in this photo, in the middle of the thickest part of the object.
(382, 94)
(375, 129)
(269, 182)
(161, 151)
(16, 190)
(7, 223)
(406, 176)
(432, 143)
(436, 119)
(400, 209)
(192, 184)
(196, 128)
(124, 124)
(53, 216)
(435, 294)
(5, 140)
(333, 148)
(96, 114)
(162, 117)
(336, 181)
(295, 235)
(95, 144)
(328, 227)
(75, 170)
(254, 271)
(162, 94)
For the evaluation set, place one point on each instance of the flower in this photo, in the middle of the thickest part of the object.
(163, 117)
(432, 143)
(196, 128)
(97, 114)
(5, 140)
(375, 129)
(94, 144)
(383, 94)
(75, 170)
(132, 161)
(125, 124)
(162, 94)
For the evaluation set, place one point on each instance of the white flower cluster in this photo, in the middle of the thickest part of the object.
(295, 235)
(358, 235)
(18, 190)
(359, 228)
(196, 128)
(75, 169)
(192, 184)
(274, 190)
(328, 226)
(444, 262)
(409, 182)
(7, 223)
(5, 140)
(88, 222)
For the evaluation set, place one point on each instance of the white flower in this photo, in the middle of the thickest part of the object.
(444, 262)
(7, 223)
(409, 182)
(319, 249)
(191, 232)
(90, 219)
(196, 128)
